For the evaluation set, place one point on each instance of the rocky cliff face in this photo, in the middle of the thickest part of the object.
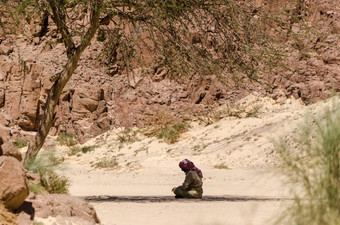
(98, 98)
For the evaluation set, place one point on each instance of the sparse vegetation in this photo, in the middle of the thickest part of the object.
(54, 183)
(37, 223)
(172, 133)
(232, 110)
(221, 166)
(44, 164)
(87, 149)
(67, 139)
(74, 150)
(43, 161)
(108, 163)
(314, 166)
(36, 188)
(141, 149)
(127, 135)
(20, 143)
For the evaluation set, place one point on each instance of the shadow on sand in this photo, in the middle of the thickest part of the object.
(157, 199)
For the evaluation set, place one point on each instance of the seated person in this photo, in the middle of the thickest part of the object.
(192, 185)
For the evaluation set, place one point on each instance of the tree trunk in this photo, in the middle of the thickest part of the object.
(51, 103)
(62, 78)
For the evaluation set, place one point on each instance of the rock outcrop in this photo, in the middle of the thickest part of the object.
(61, 209)
(6, 217)
(99, 97)
(8, 149)
(13, 184)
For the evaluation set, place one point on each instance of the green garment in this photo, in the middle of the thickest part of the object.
(191, 187)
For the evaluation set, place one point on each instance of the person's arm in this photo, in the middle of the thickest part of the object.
(188, 180)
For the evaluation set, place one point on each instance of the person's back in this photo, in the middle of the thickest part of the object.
(193, 183)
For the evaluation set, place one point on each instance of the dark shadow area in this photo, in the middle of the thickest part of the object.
(158, 199)
(27, 208)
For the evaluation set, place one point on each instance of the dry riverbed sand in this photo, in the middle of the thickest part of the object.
(242, 179)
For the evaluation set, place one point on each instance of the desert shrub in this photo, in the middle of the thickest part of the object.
(36, 188)
(314, 168)
(67, 139)
(20, 143)
(221, 166)
(43, 161)
(171, 134)
(54, 183)
(44, 164)
(87, 149)
(110, 163)
(127, 135)
(74, 150)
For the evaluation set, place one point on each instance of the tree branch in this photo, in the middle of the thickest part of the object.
(59, 19)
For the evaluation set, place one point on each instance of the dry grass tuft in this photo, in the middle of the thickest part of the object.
(314, 167)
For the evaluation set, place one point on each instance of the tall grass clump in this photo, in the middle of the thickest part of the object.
(314, 168)
(45, 164)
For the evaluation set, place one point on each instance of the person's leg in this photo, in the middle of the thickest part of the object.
(180, 193)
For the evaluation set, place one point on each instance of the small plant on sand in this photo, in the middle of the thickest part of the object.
(315, 169)
(44, 164)
(74, 150)
(127, 135)
(37, 223)
(242, 110)
(221, 166)
(87, 149)
(164, 125)
(20, 143)
(108, 163)
(67, 139)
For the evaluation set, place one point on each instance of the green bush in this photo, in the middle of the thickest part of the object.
(315, 169)
(20, 143)
(67, 139)
(87, 149)
(54, 183)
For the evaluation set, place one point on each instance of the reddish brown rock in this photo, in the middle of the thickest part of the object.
(13, 186)
(63, 207)
(8, 149)
(6, 217)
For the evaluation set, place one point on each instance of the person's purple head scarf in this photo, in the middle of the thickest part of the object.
(188, 165)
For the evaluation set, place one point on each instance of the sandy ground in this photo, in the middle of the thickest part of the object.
(242, 179)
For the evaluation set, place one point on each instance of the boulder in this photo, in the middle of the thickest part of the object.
(13, 185)
(62, 209)
(8, 149)
(6, 217)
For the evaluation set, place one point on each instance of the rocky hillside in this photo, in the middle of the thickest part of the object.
(305, 34)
